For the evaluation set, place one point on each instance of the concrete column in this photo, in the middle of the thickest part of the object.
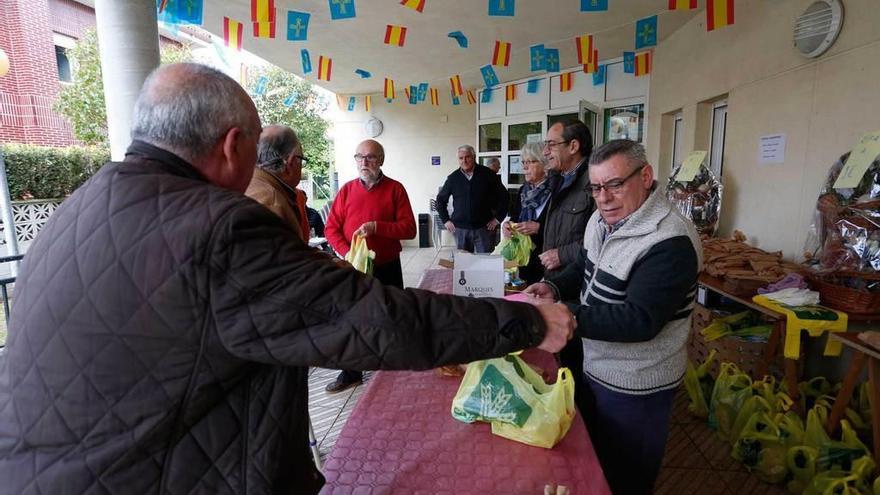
(128, 36)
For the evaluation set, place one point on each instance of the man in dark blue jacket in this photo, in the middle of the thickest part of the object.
(479, 203)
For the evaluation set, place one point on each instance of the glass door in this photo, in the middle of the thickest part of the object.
(591, 115)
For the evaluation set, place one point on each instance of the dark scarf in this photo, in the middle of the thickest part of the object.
(532, 198)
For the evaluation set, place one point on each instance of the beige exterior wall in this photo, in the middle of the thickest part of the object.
(822, 105)
(412, 135)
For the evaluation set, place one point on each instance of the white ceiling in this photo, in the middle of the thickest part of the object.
(429, 55)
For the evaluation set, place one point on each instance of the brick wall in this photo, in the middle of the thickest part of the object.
(70, 18)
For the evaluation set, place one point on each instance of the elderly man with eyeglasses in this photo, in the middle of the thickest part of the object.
(636, 282)
(376, 207)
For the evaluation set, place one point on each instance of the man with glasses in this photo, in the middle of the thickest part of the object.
(636, 282)
(279, 170)
(479, 203)
(376, 207)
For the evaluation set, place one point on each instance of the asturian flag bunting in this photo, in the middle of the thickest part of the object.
(395, 35)
(501, 53)
(325, 64)
(232, 33)
(584, 45)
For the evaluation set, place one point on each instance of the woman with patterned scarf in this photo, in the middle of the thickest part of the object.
(533, 198)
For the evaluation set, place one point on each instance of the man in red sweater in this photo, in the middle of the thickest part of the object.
(376, 207)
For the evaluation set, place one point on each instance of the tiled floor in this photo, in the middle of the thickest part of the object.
(696, 461)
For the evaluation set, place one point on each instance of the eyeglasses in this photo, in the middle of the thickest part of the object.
(366, 158)
(612, 186)
(550, 144)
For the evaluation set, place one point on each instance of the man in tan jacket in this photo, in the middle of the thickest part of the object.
(279, 170)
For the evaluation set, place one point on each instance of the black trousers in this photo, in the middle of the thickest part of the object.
(390, 273)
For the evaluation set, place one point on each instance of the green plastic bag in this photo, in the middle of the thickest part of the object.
(360, 256)
(760, 447)
(832, 454)
(732, 388)
(699, 383)
(516, 248)
(801, 463)
(507, 393)
(812, 390)
(751, 406)
(791, 428)
(856, 480)
(768, 389)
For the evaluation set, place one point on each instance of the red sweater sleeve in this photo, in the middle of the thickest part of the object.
(333, 229)
(404, 224)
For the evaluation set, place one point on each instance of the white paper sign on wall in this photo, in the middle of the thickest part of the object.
(771, 149)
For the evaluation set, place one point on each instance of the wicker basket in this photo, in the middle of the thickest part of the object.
(842, 298)
(742, 287)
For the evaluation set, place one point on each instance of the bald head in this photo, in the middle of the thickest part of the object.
(187, 108)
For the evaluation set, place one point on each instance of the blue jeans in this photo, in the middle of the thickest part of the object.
(629, 434)
(474, 240)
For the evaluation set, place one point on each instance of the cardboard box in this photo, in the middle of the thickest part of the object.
(478, 275)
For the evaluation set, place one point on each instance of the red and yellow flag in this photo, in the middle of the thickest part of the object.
(263, 10)
(389, 89)
(510, 92)
(418, 5)
(395, 35)
(643, 63)
(264, 29)
(501, 54)
(593, 65)
(584, 48)
(682, 4)
(406, 91)
(325, 64)
(340, 101)
(719, 13)
(162, 5)
(435, 97)
(455, 82)
(368, 102)
(565, 81)
(471, 97)
(232, 33)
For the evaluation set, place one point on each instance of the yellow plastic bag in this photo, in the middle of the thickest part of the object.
(517, 248)
(832, 454)
(732, 388)
(855, 481)
(699, 383)
(760, 447)
(507, 393)
(360, 256)
(801, 463)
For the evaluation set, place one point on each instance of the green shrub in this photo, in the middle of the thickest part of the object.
(37, 172)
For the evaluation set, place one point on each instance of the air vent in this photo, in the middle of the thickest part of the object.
(816, 29)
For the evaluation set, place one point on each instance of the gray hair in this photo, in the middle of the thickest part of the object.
(468, 148)
(276, 144)
(633, 151)
(491, 160)
(535, 151)
(186, 108)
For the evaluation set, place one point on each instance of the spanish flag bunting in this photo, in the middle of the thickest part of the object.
(325, 64)
(341, 102)
(435, 97)
(584, 48)
(263, 10)
(406, 91)
(232, 33)
(368, 102)
(162, 5)
(264, 29)
(719, 13)
(417, 5)
(643, 63)
(471, 97)
(389, 89)
(593, 65)
(510, 92)
(455, 82)
(501, 54)
(682, 4)
(565, 81)
(395, 35)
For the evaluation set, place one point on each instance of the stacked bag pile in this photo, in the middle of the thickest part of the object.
(774, 442)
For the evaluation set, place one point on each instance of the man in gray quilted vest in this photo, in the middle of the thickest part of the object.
(164, 322)
(636, 280)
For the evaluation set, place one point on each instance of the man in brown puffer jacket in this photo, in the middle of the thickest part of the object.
(164, 322)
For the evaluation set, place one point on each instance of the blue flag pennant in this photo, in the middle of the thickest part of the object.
(533, 86)
(182, 12)
(487, 95)
(351, 103)
(290, 100)
(260, 90)
(456, 100)
(413, 95)
(594, 5)
(551, 59)
(538, 57)
(297, 25)
(599, 75)
(646, 32)
(307, 61)
(502, 7)
(489, 76)
(364, 74)
(341, 9)
(629, 62)
(459, 37)
(423, 91)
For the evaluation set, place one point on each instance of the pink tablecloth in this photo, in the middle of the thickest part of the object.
(401, 438)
